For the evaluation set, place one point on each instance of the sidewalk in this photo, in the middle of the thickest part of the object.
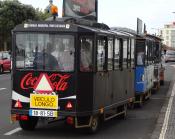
(165, 127)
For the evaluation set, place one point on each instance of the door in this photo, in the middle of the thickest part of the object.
(109, 79)
(85, 73)
(100, 77)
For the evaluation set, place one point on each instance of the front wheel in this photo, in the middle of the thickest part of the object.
(30, 124)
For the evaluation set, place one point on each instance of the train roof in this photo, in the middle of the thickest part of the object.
(156, 38)
(138, 36)
(61, 25)
(69, 25)
(126, 31)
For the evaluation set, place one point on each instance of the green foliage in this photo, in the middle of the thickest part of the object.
(41, 15)
(12, 13)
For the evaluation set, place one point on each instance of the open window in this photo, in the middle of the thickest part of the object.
(116, 54)
(125, 53)
(132, 52)
(110, 54)
(101, 54)
(149, 52)
(86, 54)
(140, 53)
(129, 54)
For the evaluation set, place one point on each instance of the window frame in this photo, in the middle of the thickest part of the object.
(129, 54)
(121, 53)
(117, 41)
(133, 43)
(101, 38)
(112, 50)
(125, 53)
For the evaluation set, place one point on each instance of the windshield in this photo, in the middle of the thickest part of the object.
(45, 52)
(170, 52)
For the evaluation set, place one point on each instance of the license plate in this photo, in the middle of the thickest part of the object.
(43, 101)
(43, 113)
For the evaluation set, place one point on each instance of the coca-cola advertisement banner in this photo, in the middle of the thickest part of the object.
(58, 81)
(80, 9)
(25, 82)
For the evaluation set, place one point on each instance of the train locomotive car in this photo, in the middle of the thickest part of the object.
(79, 71)
(157, 47)
(144, 72)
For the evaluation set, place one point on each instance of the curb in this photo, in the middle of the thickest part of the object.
(160, 120)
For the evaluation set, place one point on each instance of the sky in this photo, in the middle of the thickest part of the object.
(124, 13)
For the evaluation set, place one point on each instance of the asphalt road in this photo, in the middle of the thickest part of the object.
(139, 123)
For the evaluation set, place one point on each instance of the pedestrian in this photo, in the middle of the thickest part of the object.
(86, 57)
(45, 60)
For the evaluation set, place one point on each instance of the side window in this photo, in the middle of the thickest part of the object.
(146, 54)
(140, 56)
(152, 52)
(86, 54)
(101, 54)
(132, 52)
(157, 52)
(149, 51)
(121, 53)
(110, 54)
(129, 54)
(116, 54)
(125, 46)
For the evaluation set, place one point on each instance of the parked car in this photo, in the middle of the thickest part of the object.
(170, 56)
(5, 61)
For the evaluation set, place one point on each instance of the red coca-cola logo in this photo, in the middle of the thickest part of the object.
(59, 82)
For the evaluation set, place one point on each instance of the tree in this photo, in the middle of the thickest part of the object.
(13, 13)
(41, 15)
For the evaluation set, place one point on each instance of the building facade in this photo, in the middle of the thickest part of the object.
(168, 35)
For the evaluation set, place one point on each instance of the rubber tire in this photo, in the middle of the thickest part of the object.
(94, 125)
(30, 124)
